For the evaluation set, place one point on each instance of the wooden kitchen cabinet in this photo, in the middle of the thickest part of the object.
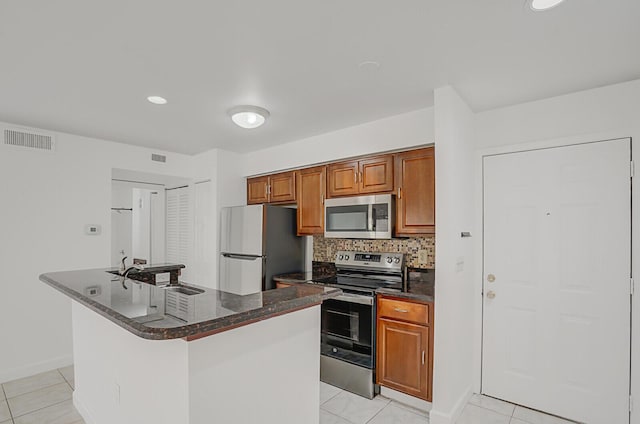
(282, 187)
(415, 192)
(276, 188)
(404, 353)
(257, 190)
(342, 179)
(365, 176)
(311, 188)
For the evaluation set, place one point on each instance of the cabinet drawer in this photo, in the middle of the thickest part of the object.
(401, 310)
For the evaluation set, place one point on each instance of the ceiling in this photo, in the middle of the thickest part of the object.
(86, 67)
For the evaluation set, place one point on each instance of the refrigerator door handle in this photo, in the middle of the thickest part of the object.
(242, 257)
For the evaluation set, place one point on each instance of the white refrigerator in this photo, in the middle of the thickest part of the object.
(256, 243)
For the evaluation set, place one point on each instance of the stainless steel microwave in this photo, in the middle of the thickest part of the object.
(360, 217)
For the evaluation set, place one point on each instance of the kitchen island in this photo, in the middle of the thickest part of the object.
(189, 354)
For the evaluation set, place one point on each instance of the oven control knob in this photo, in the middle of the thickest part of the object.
(341, 257)
(346, 257)
(389, 259)
(396, 260)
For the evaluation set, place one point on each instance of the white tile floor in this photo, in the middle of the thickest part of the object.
(40, 399)
(46, 399)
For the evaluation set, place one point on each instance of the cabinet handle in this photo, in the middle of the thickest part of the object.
(399, 193)
(269, 189)
(423, 355)
(404, 311)
(322, 198)
(266, 190)
(355, 177)
(360, 173)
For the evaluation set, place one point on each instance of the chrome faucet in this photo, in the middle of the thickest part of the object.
(126, 272)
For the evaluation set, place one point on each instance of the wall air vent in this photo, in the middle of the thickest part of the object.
(158, 158)
(29, 139)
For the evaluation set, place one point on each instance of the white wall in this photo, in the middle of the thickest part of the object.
(454, 318)
(219, 181)
(598, 114)
(47, 198)
(393, 133)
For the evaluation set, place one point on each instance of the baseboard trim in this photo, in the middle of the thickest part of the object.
(414, 402)
(450, 417)
(84, 412)
(36, 368)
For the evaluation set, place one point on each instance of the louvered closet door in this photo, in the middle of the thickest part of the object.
(179, 228)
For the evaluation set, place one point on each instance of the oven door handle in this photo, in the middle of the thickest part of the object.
(354, 298)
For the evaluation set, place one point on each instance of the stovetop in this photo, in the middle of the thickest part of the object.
(367, 272)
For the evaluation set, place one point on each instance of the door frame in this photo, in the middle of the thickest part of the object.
(479, 246)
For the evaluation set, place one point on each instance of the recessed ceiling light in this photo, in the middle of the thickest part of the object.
(249, 116)
(540, 5)
(369, 65)
(157, 100)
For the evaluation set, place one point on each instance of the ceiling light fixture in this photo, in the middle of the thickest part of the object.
(249, 116)
(157, 100)
(541, 5)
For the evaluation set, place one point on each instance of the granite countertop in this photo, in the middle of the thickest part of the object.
(304, 277)
(146, 310)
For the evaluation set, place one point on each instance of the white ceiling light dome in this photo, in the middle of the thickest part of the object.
(157, 100)
(541, 5)
(249, 117)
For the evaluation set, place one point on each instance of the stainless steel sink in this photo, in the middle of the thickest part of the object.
(189, 291)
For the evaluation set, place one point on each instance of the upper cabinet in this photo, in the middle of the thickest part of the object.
(409, 175)
(257, 190)
(365, 176)
(276, 188)
(415, 196)
(311, 187)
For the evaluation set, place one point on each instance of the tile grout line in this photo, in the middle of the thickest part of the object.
(44, 407)
(331, 398)
(6, 399)
(381, 409)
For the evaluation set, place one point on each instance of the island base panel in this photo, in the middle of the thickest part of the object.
(238, 376)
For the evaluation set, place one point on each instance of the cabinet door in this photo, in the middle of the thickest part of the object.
(343, 179)
(415, 201)
(257, 190)
(403, 357)
(311, 185)
(282, 187)
(376, 174)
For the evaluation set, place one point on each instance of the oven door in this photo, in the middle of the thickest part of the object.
(362, 217)
(348, 326)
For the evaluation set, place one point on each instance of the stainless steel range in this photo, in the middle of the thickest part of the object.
(348, 345)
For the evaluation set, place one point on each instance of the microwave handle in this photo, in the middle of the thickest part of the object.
(370, 217)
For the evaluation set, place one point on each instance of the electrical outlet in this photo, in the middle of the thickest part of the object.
(460, 264)
(423, 256)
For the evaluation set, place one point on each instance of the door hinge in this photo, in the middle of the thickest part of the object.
(632, 169)
(632, 286)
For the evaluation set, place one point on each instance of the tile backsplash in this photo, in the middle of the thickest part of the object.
(324, 249)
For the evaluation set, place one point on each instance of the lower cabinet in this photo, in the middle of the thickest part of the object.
(404, 357)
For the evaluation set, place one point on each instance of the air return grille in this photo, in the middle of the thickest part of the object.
(30, 140)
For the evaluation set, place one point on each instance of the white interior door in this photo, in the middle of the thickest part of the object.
(557, 252)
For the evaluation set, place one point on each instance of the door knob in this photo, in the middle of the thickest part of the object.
(491, 278)
(491, 295)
